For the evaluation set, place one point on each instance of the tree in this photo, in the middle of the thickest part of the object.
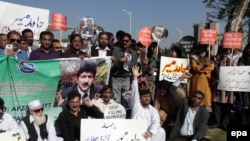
(235, 12)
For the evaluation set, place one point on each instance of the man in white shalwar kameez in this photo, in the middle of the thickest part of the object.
(141, 109)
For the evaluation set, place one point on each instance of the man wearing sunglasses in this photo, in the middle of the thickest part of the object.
(14, 41)
(124, 59)
(36, 125)
(7, 123)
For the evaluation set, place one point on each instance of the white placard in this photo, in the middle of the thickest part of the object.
(14, 135)
(113, 129)
(172, 68)
(36, 19)
(115, 111)
(234, 78)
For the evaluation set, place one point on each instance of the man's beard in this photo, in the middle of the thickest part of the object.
(102, 45)
(39, 120)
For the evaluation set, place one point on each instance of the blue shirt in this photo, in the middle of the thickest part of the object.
(20, 55)
(39, 54)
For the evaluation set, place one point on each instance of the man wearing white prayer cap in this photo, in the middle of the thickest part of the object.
(36, 125)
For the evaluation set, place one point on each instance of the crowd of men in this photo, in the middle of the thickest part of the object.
(170, 113)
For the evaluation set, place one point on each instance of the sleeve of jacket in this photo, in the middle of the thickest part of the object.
(93, 111)
(62, 122)
(176, 97)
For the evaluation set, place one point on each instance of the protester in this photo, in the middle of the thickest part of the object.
(69, 120)
(222, 100)
(166, 106)
(191, 120)
(75, 46)
(102, 50)
(36, 125)
(56, 46)
(13, 49)
(152, 67)
(25, 45)
(111, 40)
(176, 52)
(201, 68)
(141, 109)
(29, 35)
(242, 102)
(3, 40)
(85, 82)
(7, 122)
(45, 51)
(125, 58)
(106, 100)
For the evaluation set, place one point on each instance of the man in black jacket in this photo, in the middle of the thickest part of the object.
(69, 120)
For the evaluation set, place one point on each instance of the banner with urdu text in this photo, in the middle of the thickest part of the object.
(18, 17)
(172, 68)
(234, 78)
(22, 82)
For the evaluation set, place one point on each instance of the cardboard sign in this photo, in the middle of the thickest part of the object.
(14, 135)
(232, 40)
(159, 33)
(59, 22)
(36, 19)
(145, 36)
(113, 130)
(187, 43)
(208, 36)
(115, 111)
(234, 78)
(172, 68)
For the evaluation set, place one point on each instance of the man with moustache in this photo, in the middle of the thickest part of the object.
(45, 51)
(102, 50)
(125, 58)
(7, 122)
(191, 120)
(36, 125)
(106, 100)
(85, 83)
(14, 39)
(69, 120)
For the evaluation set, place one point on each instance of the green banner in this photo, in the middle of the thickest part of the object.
(22, 82)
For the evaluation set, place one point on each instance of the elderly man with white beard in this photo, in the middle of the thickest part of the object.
(37, 126)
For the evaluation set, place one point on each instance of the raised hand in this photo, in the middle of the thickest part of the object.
(135, 70)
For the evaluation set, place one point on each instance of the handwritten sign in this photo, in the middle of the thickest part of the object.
(232, 40)
(208, 36)
(234, 78)
(35, 19)
(59, 22)
(145, 36)
(14, 135)
(113, 130)
(115, 111)
(172, 68)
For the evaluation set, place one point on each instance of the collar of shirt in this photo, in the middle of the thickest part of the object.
(111, 101)
(31, 118)
(82, 92)
(106, 48)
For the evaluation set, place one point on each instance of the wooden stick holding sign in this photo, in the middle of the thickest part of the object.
(187, 44)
